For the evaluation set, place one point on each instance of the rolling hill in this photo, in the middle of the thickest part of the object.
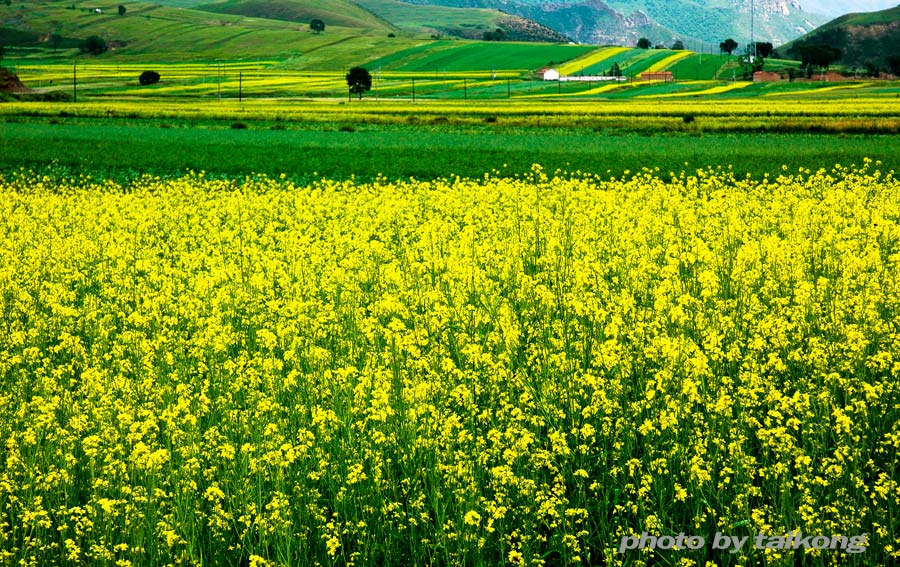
(150, 31)
(355, 34)
(344, 13)
(871, 38)
(184, 30)
(384, 16)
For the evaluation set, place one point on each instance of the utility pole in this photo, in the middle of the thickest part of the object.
(700, 62)
(240, 86)
(752, 30)
(75, 82)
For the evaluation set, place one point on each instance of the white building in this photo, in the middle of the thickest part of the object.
(551, 75)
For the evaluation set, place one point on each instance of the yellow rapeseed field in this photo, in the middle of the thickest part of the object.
(458, 372)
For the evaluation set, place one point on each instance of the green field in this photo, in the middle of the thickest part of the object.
(699, 67)
(426, 142)
(452, 56)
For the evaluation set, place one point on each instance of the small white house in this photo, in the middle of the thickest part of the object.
(551, 75)
(98, 11)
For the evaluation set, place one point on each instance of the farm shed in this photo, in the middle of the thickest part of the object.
(658, 76)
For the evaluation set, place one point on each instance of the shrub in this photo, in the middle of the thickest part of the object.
(149, 78)
(238, 126)
(95, 45)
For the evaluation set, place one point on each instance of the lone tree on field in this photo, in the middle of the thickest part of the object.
(728, 46)
(317, 25)
(148, 78)
(122, 10)
(359, 80)
(643, 43)
(678, 45)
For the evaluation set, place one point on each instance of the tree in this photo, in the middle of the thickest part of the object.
(818, 56)
(122, 10)
(496, 35)
(615, 70)
(894, 64)
(764, 49)
(55, 41)
(643, 43)
(148, 78)
(728, 46)
(359, 80)
(317, 25)
(95, 45)
(872, 69)
(678, 45)
(751, 65)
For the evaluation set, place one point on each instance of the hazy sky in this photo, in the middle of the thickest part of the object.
(840, 7)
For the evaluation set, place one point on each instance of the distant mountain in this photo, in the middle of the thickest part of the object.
(662, 21)
(871, 38)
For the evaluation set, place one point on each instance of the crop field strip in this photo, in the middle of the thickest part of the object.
(267, 78)
(223, 368)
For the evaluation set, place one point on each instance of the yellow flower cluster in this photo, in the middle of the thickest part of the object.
(501, 370)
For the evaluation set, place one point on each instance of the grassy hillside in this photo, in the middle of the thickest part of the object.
(383, 16)
(356, 32)
(343, 13)
(150, 32)
(469, 23)
(866, 38)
